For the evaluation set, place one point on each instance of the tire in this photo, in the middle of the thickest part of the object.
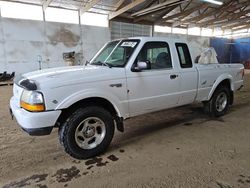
(219, 103)
(87, 132)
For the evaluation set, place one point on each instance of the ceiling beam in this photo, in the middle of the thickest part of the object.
(88, 6)
(210, 12)
(118, 4)
(158, 7)
(229, 8)
(148, 4)
(233, 25)
(223, 18)
(182, 15)
(46, 3)
(187, 5)
(168, 24)
(126, 8)
(186, 12)
(156, 16)
(165, 13)
(131, 20)
(240, 20)
(247, 26)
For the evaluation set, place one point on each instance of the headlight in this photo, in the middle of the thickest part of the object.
(32, 101)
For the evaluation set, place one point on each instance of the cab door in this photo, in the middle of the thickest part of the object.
(156, 88)
(188, 76)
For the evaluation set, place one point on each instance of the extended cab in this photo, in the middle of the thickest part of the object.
(126, 78)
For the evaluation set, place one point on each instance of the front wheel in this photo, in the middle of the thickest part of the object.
(219, 103)
(87, 133)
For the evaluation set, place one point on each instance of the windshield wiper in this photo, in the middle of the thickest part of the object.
(102, 63)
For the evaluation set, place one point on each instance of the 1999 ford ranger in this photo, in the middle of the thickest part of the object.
(126, 78)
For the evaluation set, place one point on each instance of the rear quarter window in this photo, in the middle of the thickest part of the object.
(184, 55)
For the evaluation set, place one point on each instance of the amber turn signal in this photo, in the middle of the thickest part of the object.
(32, 107)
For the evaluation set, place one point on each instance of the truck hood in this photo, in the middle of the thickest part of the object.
(63, 76)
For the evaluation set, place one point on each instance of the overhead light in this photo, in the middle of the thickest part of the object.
(214, 2)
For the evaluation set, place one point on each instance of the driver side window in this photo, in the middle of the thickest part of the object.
(157, 54)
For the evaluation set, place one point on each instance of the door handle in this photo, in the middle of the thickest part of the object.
(173, 76)
(116, 85)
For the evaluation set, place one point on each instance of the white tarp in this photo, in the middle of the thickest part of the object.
(208, 56)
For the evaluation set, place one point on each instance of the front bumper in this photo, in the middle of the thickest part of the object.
(34, 123)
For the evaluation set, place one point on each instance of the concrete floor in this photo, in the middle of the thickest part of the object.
(175, 148)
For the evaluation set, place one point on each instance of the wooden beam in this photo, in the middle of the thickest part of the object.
(234, 25)
(148, 4)
(168, 24)
(231, 22)
(156, 16)
(243, 8)
(126, 8)
(119, 4)
(46, 3)
(187, 12)
(131, 20)
(231, 26)
(158, 7)
(231, 16)
(247, 26)
(184, 14)
(165, 13)
(88, 6)
(238, 6)
(191, 1)
(226, 17)
(210, 13)
(229, 6)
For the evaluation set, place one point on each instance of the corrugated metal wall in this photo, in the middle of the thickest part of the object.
(123, 30)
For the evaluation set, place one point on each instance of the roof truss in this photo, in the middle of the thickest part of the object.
(88, 6)
(126, 8)
(233, 14)
(46, 3)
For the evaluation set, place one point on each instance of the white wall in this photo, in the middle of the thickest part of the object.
(196, 43)
(22, 40)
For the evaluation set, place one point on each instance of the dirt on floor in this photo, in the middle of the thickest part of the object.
(176, 148)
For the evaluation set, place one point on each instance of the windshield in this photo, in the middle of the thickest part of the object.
(115, 53)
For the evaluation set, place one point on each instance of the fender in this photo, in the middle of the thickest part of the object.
(89, 93)
(218, 81)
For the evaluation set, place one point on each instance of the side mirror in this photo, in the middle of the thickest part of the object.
(139, 66)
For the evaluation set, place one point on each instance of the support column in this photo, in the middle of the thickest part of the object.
(81, 33)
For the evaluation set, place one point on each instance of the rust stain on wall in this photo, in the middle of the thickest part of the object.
(64, 35)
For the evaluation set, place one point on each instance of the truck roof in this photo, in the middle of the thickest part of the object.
(172, 39)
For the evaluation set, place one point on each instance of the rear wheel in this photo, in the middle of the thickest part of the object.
(87, 133)
(219, 103)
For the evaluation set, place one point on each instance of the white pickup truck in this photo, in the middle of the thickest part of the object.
(126, 78)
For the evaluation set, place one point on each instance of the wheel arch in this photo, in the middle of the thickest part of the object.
(92, 101)
(223, 81)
